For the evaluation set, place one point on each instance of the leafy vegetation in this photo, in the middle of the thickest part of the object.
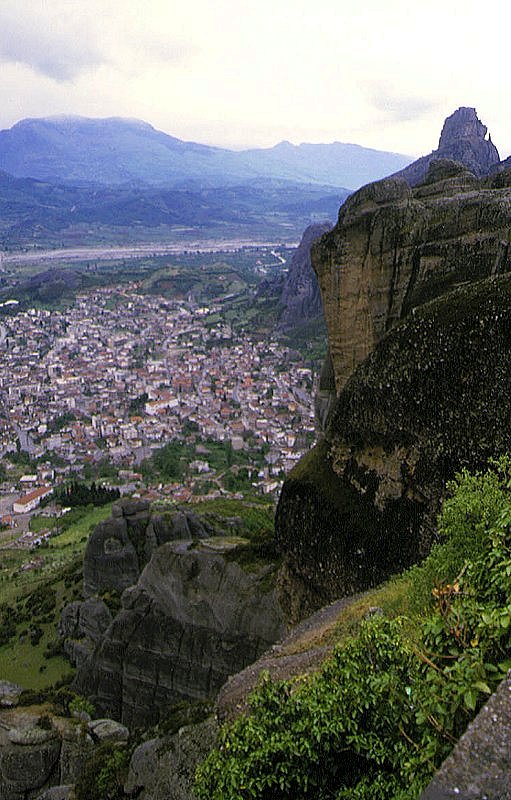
(79, 494)
(103, 773)
(387, 707)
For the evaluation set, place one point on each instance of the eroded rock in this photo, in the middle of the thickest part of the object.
(193, 618)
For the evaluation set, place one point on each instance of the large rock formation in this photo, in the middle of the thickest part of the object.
(418, 309)
(190, 617)
(463, 139)
(39, 750)
(395, 247)
(300, 297)
(194, 618)
(121, 546)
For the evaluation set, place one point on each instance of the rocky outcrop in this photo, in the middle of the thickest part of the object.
(395, 248)
(164, 768)
(81, 626)
(300, 297)
(431, 398)
(194, 617)
(41, 754)
(416, 301)
(463, 139)
(121, 546)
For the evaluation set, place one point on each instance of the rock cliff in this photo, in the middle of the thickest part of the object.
(40, 750)
(300, 297)
(395, 247)
(463, 139)
(196, 613)
(417, 304)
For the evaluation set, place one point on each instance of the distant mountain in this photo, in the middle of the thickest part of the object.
(78, 150)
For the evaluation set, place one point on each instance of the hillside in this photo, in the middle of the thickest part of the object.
(49, 214)
(114, 151)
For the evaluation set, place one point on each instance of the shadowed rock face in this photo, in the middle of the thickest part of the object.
(192, 619)
(417, 305)
(433, 397)
(300, 296)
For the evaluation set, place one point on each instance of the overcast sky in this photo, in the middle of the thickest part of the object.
(238, 73)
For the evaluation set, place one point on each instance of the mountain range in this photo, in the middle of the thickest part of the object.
(72, 180)
(113, 151)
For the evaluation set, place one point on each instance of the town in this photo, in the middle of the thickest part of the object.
(97, 388)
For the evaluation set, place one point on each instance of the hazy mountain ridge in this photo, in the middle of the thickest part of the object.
(116, 150)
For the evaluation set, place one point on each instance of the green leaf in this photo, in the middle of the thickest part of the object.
(470, 700)
(481, 687)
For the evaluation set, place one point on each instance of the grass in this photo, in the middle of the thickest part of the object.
(61, 571)
(391, 597)
(42, 523)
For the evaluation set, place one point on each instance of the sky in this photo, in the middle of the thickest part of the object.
(238, 73)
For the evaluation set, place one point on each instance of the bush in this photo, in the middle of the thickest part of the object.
(386, 709)
(80, 705)
(103, 774)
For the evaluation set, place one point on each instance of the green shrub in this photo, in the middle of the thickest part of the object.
(386, 709)
(80, 704)
(103, 774)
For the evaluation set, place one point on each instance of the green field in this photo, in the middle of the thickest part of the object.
(33, 600)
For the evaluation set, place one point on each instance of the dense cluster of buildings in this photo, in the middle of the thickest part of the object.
(120, 373)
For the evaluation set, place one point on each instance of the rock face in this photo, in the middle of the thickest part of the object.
(417, 304)
(121, 546)
(463, 139)
(192, 619)
(430, 399)
(300, 296)
(480, 764)
(165, 768)
(34, 757)
(395, 248)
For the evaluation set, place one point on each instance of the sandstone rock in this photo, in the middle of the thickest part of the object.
(111, 560)
(395, 248)
(56, 793)
(431, 398)
(300, 296)
(193, 619)
(463, 139)
(27, 767)
(119, 548)
(164, 769)
(108, 730)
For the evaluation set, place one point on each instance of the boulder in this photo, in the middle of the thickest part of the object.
(164, 768)
(108, 730)
(9, 694)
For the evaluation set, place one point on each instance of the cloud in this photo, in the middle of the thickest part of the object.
(399, 107)
(57, 46)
